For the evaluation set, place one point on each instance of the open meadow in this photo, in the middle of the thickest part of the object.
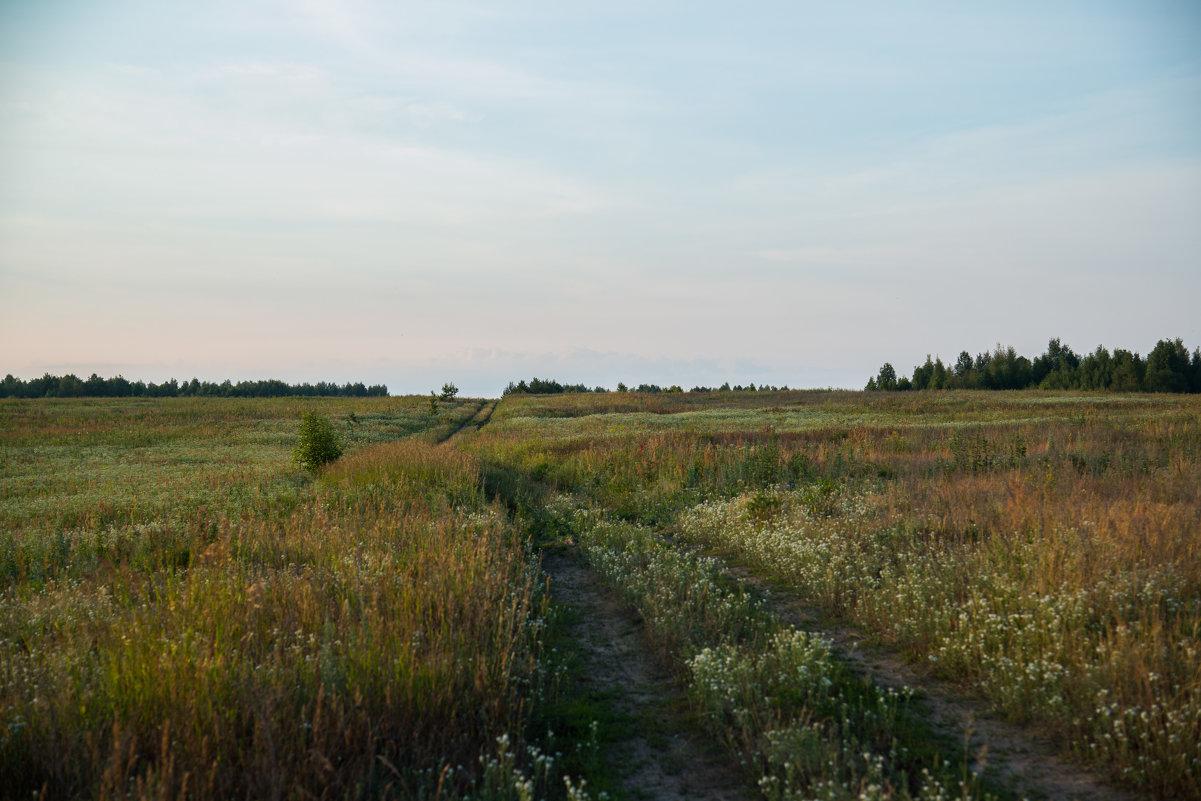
(185, 613)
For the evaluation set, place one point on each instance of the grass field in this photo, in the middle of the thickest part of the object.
(183, 613)
(187, 615)
(1037, 548)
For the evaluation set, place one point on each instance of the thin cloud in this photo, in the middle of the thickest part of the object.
(819, 256)
(620, 193)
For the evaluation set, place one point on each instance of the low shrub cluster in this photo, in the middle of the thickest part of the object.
(317, 444)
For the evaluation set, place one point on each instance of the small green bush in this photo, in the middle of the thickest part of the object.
(318, 442)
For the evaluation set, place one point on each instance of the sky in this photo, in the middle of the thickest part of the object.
(412, 193)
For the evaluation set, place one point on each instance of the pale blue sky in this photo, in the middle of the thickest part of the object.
(410, 193)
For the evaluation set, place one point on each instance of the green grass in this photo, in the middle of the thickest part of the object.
(1036, 547)
(183, 612)
(800, 723)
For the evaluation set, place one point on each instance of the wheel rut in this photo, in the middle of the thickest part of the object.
(656, 757)
(1023, 758)
(479, 419)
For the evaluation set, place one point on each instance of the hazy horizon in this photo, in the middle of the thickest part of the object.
(662, 193)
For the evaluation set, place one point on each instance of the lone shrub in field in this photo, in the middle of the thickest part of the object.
(318, 442)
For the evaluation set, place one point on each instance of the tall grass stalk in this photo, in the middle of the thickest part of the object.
(366, 637)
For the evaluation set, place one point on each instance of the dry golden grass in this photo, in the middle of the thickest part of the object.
(1040, 547)
(183, 614)
(350, 638)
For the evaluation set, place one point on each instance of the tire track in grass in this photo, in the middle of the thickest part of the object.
(802, 724)
(1021, 758)
(475, 422)
(647, 748)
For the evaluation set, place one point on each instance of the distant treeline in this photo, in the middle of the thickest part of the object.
(1169, 367)
(539, 386)
(738, 388)
(71, 386)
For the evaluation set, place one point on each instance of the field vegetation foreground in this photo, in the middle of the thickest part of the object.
(185, 613)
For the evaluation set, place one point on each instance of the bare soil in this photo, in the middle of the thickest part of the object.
(657, 756)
